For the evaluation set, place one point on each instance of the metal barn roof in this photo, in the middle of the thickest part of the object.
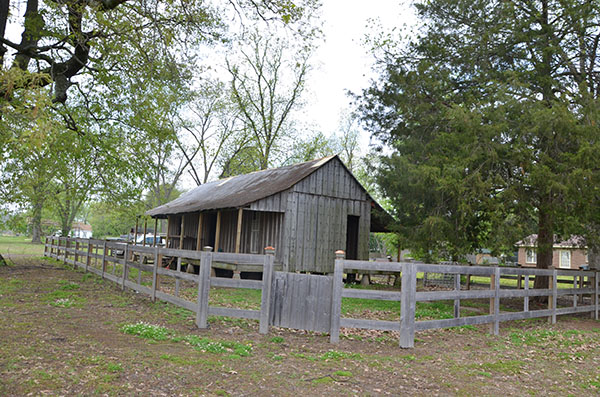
(239, 191)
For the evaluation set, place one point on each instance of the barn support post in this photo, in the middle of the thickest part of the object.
(181, 226)
(177, 281)
(408, 305)
(204, 287)
(265, 301)
(168, 243)
(145, 230)
(336, 296)
(218, 231)
(155, 231)
(238, 234)
(199, 235)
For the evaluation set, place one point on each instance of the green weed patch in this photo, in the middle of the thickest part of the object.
(147, 331)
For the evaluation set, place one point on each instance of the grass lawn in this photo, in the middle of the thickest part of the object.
(20, 246)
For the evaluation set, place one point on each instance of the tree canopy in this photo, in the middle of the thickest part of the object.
(490, 109)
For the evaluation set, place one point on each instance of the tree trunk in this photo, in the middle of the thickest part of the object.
(36, 221)
(545, 242)
(4, 6)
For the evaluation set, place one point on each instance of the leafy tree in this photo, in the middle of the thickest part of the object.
(110, 219)
(260, 92)
(310, 148)
(491, 110)
(61, 40)
(217, 135)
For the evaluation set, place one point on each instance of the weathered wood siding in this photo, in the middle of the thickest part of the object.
(274, 203)
(306, 223)
(190, 231)
(301, 301)
(316, 217)
(259, 230)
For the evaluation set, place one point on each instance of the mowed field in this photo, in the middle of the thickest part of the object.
(64, 332)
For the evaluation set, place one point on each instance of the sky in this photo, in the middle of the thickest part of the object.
(343, 63)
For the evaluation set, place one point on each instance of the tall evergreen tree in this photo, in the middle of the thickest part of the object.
(492, 113)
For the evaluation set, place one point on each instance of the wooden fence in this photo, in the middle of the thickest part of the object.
(314, 302)
(409, 296)
(99, 256)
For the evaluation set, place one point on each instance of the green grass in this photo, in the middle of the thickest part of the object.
(147, 331)
(20, 246)
(9, 285)
(159, 333)
(207, 345)
(65, 296)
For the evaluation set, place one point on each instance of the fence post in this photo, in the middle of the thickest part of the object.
(76, 254)
(575, 295)
(204, 287)
(581, 286)
(495, 301)
(336, 296)
(45, 245)
(596, 294)
(526, 301)
(552, 299)
(157, 259)
(267, 283)
(65, 253)
(408, 305)
(125, 270)
(88, 260)
(103, 258)
(457, 301)
(178, 270)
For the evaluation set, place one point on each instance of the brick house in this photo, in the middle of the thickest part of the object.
(567, 254)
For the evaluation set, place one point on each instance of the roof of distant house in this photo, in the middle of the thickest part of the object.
(572, 242)
(81, 226)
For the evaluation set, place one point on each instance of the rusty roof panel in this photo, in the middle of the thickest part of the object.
(239, 191)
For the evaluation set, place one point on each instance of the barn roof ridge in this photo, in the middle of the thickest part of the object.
(244, 189)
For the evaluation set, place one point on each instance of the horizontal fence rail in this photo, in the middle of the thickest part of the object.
(105, 257)
(585, 283)
(116, 260)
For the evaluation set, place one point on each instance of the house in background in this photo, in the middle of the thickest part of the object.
(567, 254)
(483, 256)
(305, 211)
(81, 230)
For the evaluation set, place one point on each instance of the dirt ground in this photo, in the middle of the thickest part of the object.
(61, 334)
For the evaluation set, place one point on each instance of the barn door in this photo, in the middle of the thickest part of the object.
(352, 237)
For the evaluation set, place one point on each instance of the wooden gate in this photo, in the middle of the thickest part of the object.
(301, 301)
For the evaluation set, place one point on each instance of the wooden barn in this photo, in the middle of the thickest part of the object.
(306, 211)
